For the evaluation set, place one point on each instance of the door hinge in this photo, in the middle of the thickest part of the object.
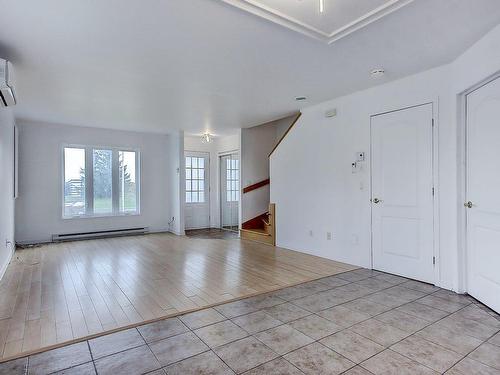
(433, 191)
(432, 122)
(434, 261)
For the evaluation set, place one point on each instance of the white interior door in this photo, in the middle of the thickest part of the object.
(402, 193)
(229, 191)
(483, 187)
(197, 209)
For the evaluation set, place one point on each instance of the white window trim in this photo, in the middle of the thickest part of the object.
(237, 190)
(89, 181)
(206, 156)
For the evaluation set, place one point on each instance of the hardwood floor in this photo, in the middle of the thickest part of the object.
(61, 292)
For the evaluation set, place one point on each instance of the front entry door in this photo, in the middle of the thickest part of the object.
(197, 209)
(230, 191)
(402, 193)
(483, 194)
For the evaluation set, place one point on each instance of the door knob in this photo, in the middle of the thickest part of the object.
(469, 204)
(376, 200)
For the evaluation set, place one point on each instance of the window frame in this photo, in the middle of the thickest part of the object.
(206, 178)
(89, 181)
(231, 180)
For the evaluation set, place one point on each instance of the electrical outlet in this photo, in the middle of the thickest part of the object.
(355, 239)
(328, 236)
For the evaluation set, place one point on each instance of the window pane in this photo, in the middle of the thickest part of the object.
(188, 162)
(201, 174)
(194, 162)
(188, 197)
(201, 185)
(201, 196)
(195, 185)
(103, 181)
(201, 162)
(195, 174)
(194, 197)
(188, 174)
(127, 180)
(74, 181)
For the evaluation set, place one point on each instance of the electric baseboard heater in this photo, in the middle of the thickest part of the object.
(99, 234)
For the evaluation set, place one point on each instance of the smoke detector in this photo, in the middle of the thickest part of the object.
(377, 73)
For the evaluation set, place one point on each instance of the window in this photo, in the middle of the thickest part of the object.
(128, 185)
(195, 179)
(74, 182)
(232, 180)
(100, 182)
(103, 181)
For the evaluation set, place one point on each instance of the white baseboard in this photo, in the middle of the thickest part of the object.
(5, 265)
(177, 233)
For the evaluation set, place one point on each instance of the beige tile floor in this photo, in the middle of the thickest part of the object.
(358, 322)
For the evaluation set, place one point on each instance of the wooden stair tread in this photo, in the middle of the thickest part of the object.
(259, 231)
(261, 228)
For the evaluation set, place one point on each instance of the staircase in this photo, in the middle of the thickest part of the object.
(261, 228)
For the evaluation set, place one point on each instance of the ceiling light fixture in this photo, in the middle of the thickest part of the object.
(300, 98)
(207, 138)
(321, 6)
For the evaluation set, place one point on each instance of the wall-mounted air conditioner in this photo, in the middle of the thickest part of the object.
(7, 96)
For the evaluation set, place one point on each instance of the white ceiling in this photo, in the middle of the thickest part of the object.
(338, 18)
(197, 65)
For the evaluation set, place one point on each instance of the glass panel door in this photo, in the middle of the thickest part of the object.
(197, 203)
(230, 191)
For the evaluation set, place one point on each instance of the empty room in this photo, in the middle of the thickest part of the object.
(287, 187)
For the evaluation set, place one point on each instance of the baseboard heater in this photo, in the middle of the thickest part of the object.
(99, 234)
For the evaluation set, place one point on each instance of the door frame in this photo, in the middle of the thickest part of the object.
(208, 188)
(219, 183)
(435, 179)
(462, 258)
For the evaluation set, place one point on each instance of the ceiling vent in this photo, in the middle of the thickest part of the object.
(7, 96)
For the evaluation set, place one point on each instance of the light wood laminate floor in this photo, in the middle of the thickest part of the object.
(57, 293)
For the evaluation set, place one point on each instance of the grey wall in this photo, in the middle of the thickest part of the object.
(39, 206)
(6, 187)
(256, 144)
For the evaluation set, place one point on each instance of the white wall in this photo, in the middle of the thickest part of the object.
(219, 145)
(256, 144)
(311, 179)
(39, 206)
(6, 188)
(176, 176)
